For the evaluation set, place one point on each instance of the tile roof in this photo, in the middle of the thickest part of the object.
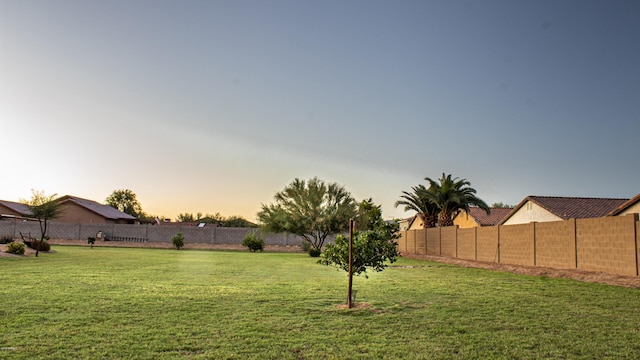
(105, 211)
(572, 207)
(493, 218)
(20, 208)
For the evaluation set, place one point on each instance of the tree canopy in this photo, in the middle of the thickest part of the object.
(44, 208)
(310, 209)
(443, 198)
(126, 201)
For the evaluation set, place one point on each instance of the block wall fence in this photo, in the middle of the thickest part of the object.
(144, 232)
(608, 244)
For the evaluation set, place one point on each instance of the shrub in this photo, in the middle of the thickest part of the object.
(253, 242)
(178, 240)
(313, 252)
(6, 239)
(16, 248)
(91, 241)
(44, 245)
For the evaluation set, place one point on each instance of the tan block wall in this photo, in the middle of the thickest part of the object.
(433, 241)
(487, 243)
(467, 243)
(516, 244)
(411, 242)
(608, 244)
(556, 244)
(402, 243)
(638, 247)
(421, 242)
(448, 241)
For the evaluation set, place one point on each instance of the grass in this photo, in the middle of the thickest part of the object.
(114, 303)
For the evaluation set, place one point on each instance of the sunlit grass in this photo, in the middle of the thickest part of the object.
(114, 303)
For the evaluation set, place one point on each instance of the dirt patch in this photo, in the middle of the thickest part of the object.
(580, 275)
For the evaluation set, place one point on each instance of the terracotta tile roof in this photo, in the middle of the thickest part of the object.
(493, 218)
(105, 211)
(20, 208)
(625, 205)
(571, 207)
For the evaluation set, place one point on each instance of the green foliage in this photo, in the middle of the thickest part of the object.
(501, 205)
(178, 240)
(442, 200)
(253, 242)
(43, 208)
(368, 214)
(310, 209)
(17, 248)
(217, 218)
(313, 252)
(126, 201)
(40, 245)
(91, 240)
(372, 249)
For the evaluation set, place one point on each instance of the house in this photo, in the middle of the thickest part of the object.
(630, 207)
(14, 210)
(75, 209)
(556, 208)
(478, 217)
(411, 223)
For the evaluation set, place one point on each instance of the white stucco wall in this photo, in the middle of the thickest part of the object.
(530, 212)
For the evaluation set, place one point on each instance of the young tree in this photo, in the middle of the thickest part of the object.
(310, 209)
(372, 249)
(125, 200)
(43, 208)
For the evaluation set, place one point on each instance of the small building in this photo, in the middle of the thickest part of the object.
(14, 210)
(478, 217)
(79, 210)
(556, 208)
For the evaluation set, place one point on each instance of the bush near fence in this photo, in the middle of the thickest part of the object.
(145, 233)
(607, 244)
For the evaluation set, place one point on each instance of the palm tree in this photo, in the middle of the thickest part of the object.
(419, 201)
(452, 195)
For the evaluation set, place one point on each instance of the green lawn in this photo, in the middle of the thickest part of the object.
(115, 303)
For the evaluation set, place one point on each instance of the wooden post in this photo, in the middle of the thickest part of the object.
(349, 302)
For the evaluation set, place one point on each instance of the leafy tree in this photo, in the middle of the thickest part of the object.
(178, 240)
(419, 201)
(310, 209)
(451, 195)
(186, 217)
(501, 205)
(368, 214)
(44, 208)
(372, 249)
(125, 200)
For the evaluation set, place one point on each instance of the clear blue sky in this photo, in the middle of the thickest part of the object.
(213, 106)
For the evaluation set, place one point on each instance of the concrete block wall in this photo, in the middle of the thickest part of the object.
(487, 243)
(517, 244)
(411, 242)
(467, 243)
(421, 242)
(433, 241)
(556, 244)
(608, 244)
(448, 239)
(402, 242)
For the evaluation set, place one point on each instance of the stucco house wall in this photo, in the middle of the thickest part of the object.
(531, 212)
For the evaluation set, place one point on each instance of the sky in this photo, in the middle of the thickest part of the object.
(214, 106)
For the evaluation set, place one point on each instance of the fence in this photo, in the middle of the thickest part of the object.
(144, 232)
(608, 244)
